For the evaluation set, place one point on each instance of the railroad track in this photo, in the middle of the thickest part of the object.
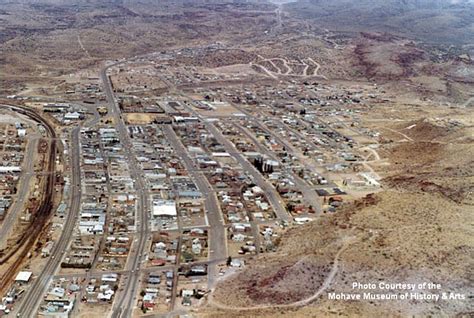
(41, 216)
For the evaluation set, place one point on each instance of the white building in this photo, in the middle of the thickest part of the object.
(21, 132)
(23, 277)
(164, 208)
(6, 169)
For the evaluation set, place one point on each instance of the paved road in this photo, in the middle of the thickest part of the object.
(22, 194)
(30, 302)
(308, 193)
(272, 195)
(99, 273)
(124, 301)
(217, 236)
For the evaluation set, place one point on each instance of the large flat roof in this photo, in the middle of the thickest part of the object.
(164, 208)
(23, 276)
(10, 169)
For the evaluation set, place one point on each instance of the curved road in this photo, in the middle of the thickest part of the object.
(327, 282)
(29, 306)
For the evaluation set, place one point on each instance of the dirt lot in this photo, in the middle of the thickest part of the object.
(139, 118)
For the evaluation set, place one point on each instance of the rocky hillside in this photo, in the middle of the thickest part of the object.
(419, 229)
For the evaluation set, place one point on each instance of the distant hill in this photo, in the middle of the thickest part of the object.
(432, 21)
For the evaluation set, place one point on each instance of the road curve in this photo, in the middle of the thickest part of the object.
(42, 213)
(327, 282)
(28, 307)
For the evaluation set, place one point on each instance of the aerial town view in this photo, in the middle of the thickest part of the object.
(236, 158)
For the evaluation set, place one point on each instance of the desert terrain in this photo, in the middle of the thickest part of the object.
(395, 77)
(417, 229)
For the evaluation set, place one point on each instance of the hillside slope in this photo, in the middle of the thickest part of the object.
(418, 230)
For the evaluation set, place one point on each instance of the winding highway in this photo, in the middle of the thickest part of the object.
(30, 301)
(303, 302)
(28, 306)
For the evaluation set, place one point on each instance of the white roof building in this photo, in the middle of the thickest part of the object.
(72, 115)
(23, 276)
(111, 277)
(164, 208)
(6, 169)
(21, 132)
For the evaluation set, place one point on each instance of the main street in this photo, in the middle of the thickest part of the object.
(308, 193)
(217, 236)
(272, 195)
(124, 301)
